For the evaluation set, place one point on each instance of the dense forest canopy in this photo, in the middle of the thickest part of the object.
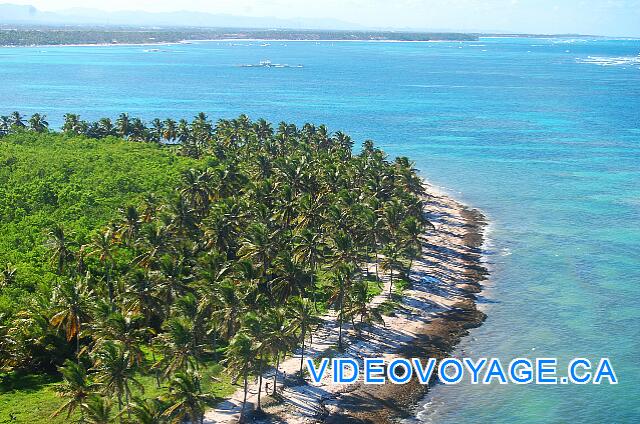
(59, 36)
(155, 249)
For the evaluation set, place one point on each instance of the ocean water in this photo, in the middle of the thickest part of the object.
(543, 135)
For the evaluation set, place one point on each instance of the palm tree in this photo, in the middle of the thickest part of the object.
(409, 181)
(301, 314)
(227, 299)
(72, 301)
(104, 127)
(8, 276)
(60, 247)
(17, 120)
(146, 411)
(391, 261)
(76, 386)
(138, 130)
(411, 231)
(170, 132)
(186, 403)
(180, 347)
(198, 189)
(123, 125)
(102, 246)
(73, 124)
(114, 371)
(38, 123)
(358, 305)
(278, 337)
(239, 359)
(97, 410)
(183, 132)
(341, 278)
(259, 246)
(130, 224)
(157, 130)
(5, 125)
(309, 249)
(128, 330)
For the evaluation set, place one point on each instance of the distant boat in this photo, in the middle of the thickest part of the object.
(268, 64)
(265, 45)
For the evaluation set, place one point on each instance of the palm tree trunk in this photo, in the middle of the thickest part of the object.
(157, 371)
(110, 288)
(304, 334)
(366, 265)
(313, 288)
(78, 340)
(214, 344)
(120, 404)
(340, 316)
(127, 397)
(391, 281)
(246, 388)
(275, 374)
(259, 408)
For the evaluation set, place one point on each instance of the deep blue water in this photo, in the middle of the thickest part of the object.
(541, 134)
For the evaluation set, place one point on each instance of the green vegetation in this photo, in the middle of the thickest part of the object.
(50, 179)
(32, 398)
(250, 234)
(58, 36)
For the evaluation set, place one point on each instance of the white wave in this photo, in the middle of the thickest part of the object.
(611, 60)
(570, 41)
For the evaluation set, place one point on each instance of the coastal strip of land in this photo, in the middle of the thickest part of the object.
(24, 37)
(426, 320)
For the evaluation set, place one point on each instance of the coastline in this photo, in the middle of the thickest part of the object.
(255, 40)
(437, 336)
(435, 312)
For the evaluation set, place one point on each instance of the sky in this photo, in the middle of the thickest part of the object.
(597, 17)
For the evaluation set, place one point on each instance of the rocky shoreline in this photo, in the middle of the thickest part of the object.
(434, 339)
(429, 320)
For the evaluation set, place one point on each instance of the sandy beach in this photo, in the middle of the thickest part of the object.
(434, 313)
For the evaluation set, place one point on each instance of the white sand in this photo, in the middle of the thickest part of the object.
(436, 280)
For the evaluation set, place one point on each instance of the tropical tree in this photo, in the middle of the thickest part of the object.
(114, 371)
(71, 304)
(146, 411)
(239, 360)
(17, 120)
(97, 410)
(60, 248)
(38, 123)
(102, 246)
(5, 125)
(76, 387)
(73, 124)
(391, 261)
(186, 403)
(123, 125)
(8, 276)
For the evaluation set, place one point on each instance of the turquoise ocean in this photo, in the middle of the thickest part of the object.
(543, 135)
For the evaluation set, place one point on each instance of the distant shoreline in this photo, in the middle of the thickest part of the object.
(305, 40)
(255, 40)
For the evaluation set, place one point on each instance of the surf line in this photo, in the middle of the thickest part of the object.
(454, 370)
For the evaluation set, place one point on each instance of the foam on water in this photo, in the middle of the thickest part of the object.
(611, 61)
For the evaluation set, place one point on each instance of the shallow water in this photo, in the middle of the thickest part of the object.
(541, 134)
